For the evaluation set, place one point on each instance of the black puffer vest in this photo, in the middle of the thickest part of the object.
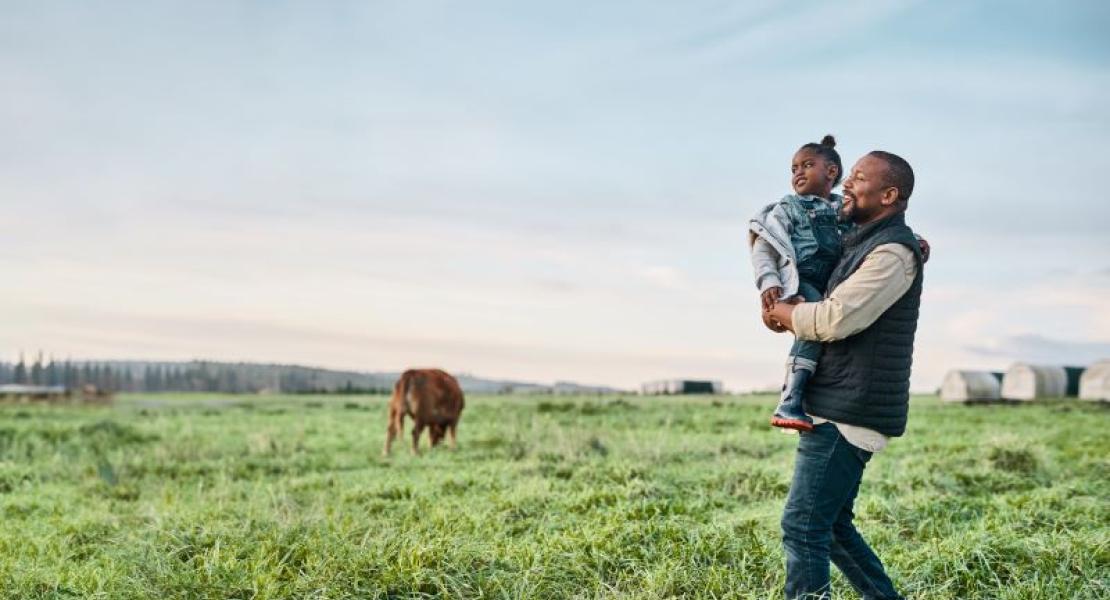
(864, 379)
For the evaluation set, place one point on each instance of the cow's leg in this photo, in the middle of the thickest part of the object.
(451, 434)
(396, 420)
(417, 427)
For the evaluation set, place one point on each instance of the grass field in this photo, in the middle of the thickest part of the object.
(195, 496)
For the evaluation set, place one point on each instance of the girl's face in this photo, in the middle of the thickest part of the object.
(811, 174)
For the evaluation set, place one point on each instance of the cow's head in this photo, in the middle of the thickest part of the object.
(436, 432)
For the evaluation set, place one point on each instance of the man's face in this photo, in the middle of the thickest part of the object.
(866, 195)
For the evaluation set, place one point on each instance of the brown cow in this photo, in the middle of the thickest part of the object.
(432, 398)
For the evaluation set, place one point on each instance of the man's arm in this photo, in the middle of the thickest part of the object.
(855, 304)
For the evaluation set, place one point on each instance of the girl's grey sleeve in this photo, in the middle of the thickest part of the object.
(765, 261)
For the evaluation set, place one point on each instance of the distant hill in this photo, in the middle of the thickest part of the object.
(242, 377)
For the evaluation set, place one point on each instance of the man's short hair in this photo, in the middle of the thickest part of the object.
(899, 174)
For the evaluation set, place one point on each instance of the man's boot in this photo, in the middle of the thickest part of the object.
(789, 413)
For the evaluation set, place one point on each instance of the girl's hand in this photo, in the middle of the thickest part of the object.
(770, 296)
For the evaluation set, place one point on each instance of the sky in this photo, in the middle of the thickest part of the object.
(542, 192)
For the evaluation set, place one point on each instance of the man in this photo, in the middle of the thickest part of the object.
(859, 395)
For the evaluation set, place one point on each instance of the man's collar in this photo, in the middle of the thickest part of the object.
(861, 231)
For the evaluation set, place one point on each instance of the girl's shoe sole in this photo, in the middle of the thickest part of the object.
(798, 424)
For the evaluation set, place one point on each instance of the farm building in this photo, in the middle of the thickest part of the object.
(969, 386)
(1095, 383)
(681, 386)
(17, 392)
(26, 393)
(1024, 381)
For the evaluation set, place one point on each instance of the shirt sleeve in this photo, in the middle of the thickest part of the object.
(885, 275)
(765, 263)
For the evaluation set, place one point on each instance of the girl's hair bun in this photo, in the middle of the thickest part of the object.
(829, 141)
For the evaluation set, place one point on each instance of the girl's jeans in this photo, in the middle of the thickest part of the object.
(806, 350)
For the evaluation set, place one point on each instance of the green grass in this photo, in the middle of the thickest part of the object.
(202, 496)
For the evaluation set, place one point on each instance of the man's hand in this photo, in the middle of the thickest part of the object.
(924, 250)
(770, 296)
(781, 316)
(772, 324)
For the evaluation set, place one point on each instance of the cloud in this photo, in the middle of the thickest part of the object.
(665, 277)
(1041, 349)
(754, 32)
(527, 184)
(91, 333)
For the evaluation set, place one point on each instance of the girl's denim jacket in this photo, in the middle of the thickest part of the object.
(796, 238)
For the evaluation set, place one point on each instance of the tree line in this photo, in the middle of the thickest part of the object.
(195, 376)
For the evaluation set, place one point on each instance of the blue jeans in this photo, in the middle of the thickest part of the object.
(817, 521)
(808, 350)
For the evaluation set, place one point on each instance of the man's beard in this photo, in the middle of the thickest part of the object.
(850, 212)
(844, 215)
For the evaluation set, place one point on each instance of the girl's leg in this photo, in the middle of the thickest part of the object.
(790, 413)
(802, 364)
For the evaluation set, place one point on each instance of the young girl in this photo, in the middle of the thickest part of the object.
(795, 244)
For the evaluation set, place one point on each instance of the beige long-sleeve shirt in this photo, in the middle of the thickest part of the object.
(883, 277)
